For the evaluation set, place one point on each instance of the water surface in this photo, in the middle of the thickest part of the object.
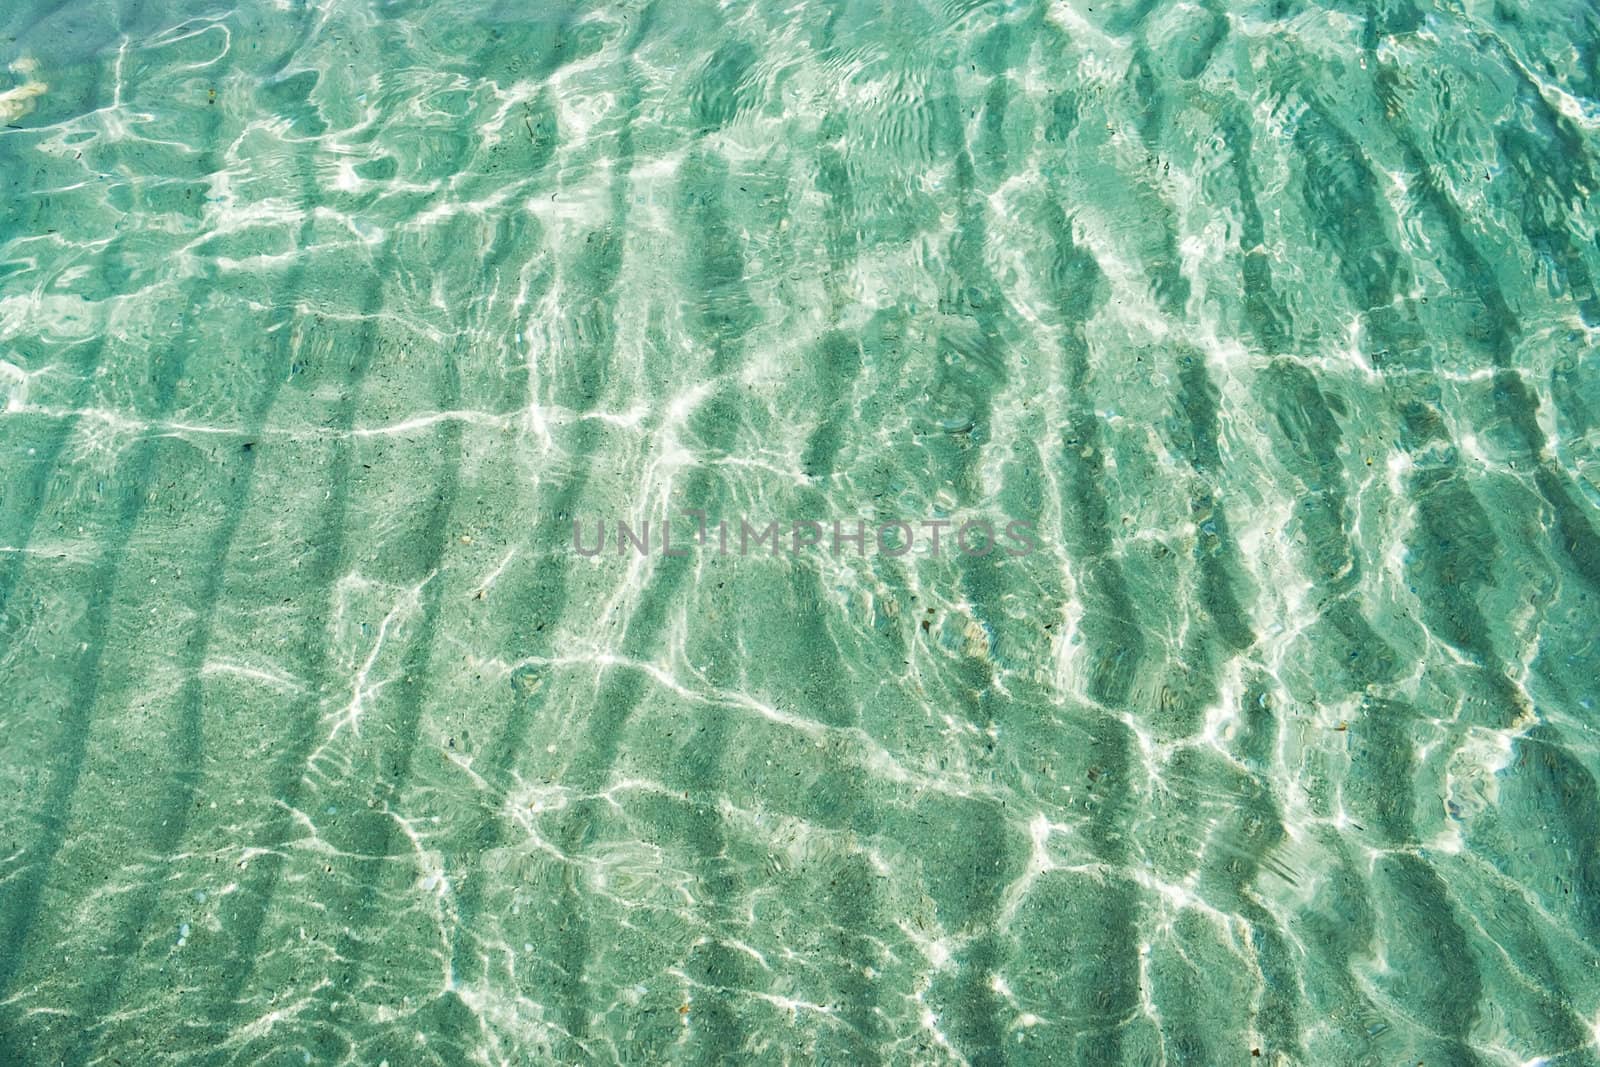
(321, 323)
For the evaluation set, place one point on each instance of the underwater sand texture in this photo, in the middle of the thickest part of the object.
(323, 321)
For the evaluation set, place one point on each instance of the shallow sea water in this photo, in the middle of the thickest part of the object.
(322, 324)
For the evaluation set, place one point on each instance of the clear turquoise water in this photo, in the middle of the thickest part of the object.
(320, 324)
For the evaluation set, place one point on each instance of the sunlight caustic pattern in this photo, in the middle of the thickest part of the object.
(323, 321)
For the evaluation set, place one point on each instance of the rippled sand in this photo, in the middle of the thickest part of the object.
(321, 323)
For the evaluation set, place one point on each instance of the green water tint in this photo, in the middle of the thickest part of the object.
(320, 327)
